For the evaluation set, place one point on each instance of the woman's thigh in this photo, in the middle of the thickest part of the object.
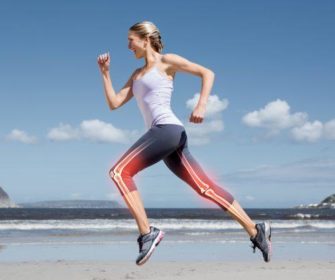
(153, 146)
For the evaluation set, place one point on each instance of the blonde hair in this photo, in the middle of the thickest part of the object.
(148, 29)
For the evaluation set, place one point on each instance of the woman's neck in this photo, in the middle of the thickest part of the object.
(151, 59)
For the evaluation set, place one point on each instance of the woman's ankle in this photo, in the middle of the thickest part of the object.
(145, 231)
(253, 232)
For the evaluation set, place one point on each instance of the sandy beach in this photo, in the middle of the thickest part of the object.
(74, 270)
(192, 249)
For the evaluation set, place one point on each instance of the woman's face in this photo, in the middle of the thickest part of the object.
(136, 44)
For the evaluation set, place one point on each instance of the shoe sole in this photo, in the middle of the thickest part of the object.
(156, 242)
(268, 239)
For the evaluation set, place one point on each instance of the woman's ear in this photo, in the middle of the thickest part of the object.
(146, 40)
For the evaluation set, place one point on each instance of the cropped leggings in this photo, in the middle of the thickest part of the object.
(167, 142)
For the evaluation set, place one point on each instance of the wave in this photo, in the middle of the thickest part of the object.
(167, 224)
(305, 216)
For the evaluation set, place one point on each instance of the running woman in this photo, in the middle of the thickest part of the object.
(166, 138)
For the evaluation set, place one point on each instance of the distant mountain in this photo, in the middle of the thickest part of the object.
(72, 204)
(5, 201)
(328, 202)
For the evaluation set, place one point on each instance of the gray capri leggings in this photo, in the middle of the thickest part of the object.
(167, 142)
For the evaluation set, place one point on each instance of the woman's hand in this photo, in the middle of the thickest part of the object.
(104, 62)
(198, 114)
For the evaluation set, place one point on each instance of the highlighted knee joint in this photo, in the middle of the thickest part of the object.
(123, 180)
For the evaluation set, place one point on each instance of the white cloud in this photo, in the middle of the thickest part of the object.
(201, 133)
(314, 131)
(275, 116)
(93, 130)
(207, 127)
(96, 130)
(213, 107)
(21, 136)
(329, 130)
(310, 132)
(64, 132)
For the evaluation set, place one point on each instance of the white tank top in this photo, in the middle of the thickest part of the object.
(153, 95)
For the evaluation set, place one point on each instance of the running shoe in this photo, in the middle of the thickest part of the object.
(262, 240)
(147, 244)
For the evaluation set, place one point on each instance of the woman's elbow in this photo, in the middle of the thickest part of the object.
(209, 73)
(112, 106)
(114, 103)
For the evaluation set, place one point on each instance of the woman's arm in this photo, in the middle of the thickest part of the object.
(179, 63)
(114, 100)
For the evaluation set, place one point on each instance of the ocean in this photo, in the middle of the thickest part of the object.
(46, 233)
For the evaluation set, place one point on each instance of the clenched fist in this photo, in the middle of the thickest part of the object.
(104, 62)
(198, 114)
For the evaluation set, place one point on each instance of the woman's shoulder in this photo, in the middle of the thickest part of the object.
(174, 60)
(170, 57)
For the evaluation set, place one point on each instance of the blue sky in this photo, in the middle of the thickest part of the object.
(269, 133)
